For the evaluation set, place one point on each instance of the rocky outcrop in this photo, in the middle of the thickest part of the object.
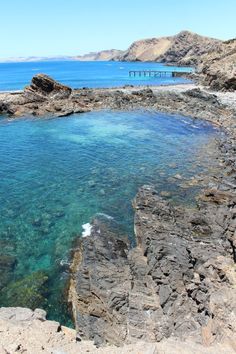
(178, 282)
(44, 85)
(214, 59)
(110, 292)
(219, 68)
(104, 55)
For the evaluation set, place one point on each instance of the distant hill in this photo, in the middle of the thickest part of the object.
(33, 59)
(185, 48)
(104, 55)
(214, 59)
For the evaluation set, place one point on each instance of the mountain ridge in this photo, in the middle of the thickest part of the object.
(180, 48)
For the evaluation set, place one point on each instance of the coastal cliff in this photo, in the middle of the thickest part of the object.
(215, 60)
(218, 68)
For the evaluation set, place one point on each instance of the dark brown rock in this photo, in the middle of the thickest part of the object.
(46, 86)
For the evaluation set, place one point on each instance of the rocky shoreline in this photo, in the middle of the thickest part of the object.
(178, 283)
(46, 97)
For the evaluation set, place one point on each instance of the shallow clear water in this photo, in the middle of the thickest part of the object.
(56, 174)
(15, 76)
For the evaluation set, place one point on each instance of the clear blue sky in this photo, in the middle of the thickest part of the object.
(70, 27)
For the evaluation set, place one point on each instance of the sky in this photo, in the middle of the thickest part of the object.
(73, 27)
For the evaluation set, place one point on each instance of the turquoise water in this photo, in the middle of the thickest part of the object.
(56, 174)
(15, 76)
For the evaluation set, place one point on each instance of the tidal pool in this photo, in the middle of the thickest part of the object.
(56, 174)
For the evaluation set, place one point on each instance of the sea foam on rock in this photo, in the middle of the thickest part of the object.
(87, 229)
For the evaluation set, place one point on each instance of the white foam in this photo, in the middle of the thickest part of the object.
(105, 216)
(64, 262)
(87, 230)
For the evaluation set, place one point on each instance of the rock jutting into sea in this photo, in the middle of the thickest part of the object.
(178, 282)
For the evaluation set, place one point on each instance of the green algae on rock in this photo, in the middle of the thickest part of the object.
(27, 292)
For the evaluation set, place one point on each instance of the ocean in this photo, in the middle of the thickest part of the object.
(15, 76)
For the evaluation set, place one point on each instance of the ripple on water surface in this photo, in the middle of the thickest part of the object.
(56, 174)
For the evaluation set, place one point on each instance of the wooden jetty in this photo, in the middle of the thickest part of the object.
(158, 73)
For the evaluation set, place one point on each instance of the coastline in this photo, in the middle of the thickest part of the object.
(194, 101)
(46, 97)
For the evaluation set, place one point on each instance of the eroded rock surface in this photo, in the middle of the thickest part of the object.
(219, 68)
(44, 85)
(179, 281)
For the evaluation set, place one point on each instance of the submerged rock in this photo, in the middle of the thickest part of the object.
(7, 265)
(27, 292)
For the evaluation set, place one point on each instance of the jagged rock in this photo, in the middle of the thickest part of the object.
(170, 285)
(218, 68)
(44, 85)
(111, 292)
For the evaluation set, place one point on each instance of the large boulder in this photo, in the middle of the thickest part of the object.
(44, 85)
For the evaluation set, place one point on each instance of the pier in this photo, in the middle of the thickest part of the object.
(158, 73)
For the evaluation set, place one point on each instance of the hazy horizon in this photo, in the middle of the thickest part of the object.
(59, 28)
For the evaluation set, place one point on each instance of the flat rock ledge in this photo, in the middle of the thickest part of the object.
(26, 331)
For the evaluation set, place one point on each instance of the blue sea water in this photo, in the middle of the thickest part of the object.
(57, 174)
(15, 76)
